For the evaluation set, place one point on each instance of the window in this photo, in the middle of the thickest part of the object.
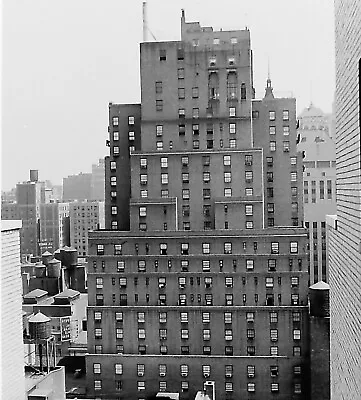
(184, 317)
(195, 113)
(272, 146)
(208, 299)
(162, 334)
(185, 209)
(163, 248)
(195, 144)
(232, 128)
(118, 369)
(274, 248)
(98, 333)
(297, 370)
(113, 181)
(232, 111)
(296, 316)
(272, 115)
(286, 131)
(206, 160)
(206, 248)
(285, 115)
(142, 211)
(272, 130)
(251, 334)
(195, 129)
(274, 335)
(185, 161)
(249, 176)
(164, 179)
(184, 334)
(162, 55)
(273, 317)
(143, 179)
(269, 282)
(294, 247)
(185, 194)
(100, 249)
(229, 299)
(162, 317)
(249, 191)
(162, 282)
(297, 351)
(181, 282)
(141, 385)
(131, 135)
(293, 176)
(185, 177)
(286, 146)
(162, 368)
(159, 105)
(249, 209)
(182, 300)
(116, 135)
(97, 368)
(229, 387)
(163, 349)
(99, 283)
(195, 92)
(228, 192)
(97, 385)
(206, 266)
(227, 177)
(248, 160)
(184, 369)
(227, 318)
(297, 388)
(274, 350)
(251, 387)
(115, 121)
(184, 349)
(294, 281)
(181, 93)
(206, 317)
(296, 334)
(228, 281)
(164, 193)
(181, 113)
(206, 177)
(274, 387)
(141, 317)
(98, 349)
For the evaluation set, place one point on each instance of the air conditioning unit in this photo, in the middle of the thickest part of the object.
(162, 374)
(206, 375)
(208, 285)
(182, 286)
(184, 374)
(228, 375)
(140, 373)
(161, 286)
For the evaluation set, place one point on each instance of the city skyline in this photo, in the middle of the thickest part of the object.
(60, 99)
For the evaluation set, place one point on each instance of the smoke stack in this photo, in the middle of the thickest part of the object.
(34, 175)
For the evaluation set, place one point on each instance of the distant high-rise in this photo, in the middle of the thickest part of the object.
(77, 187)
(85, 216)
(210, 281)
(98, 181)
(319, 184)
(12, 352)
(344, 228)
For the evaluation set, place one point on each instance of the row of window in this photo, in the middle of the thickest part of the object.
(131, 120)
(206, 264)
(185, 335)
(228, 387)
(184, 370)
(206, 350)
(205, 316)
(207, 301)
(206, 248)
(182, 281)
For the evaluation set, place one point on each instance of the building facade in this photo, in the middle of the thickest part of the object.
(84, 217)
(344, 228)
(12, 356)
(319, 184)
(210, 282)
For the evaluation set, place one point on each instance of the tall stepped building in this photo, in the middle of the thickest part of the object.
(201, 274)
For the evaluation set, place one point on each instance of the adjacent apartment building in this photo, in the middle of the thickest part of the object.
(344, 228)
(201, 274)
(12, 354)
(319, 184)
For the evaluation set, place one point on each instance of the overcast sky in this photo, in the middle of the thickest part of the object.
(64, 60)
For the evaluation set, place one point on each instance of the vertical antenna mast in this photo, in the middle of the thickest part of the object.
(145, 28)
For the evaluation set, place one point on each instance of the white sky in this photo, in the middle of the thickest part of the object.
(64, 60)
